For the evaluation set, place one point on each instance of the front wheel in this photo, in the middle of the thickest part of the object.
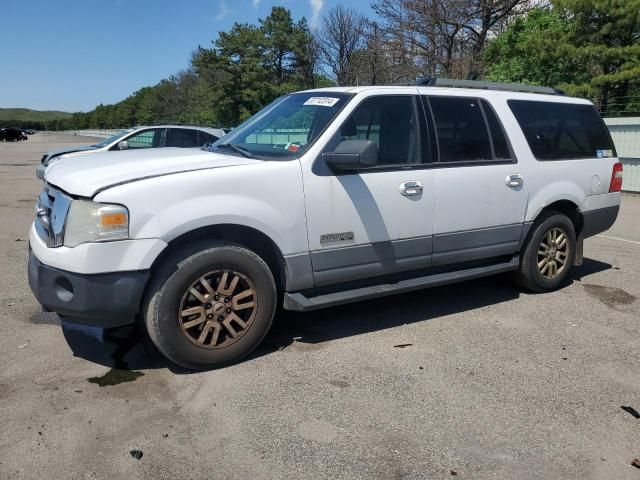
(211, 308)
(548, 254)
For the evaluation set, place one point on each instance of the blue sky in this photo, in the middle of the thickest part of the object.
(74, 54)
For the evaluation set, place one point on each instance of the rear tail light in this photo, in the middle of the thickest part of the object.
(616, 178)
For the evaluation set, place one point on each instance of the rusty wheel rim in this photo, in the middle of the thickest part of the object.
(553, 253)
(218, 309)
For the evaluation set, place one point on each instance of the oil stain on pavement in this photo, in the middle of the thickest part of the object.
(115, 376)
(612, 297)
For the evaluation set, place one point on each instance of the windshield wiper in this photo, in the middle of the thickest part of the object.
(236, 148)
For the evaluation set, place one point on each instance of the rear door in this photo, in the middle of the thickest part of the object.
(480, 193)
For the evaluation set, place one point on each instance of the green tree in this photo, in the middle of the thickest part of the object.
(589, 48)
(607, 37)
(529, 51)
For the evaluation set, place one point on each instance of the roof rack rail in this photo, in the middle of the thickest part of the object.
(482, 85)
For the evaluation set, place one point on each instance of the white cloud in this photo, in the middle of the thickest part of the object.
(316, 8)
(256, 3)
(223, 10)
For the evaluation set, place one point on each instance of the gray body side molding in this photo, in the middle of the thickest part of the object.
(344, 264)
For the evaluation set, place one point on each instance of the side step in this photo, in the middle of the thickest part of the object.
(300, 303)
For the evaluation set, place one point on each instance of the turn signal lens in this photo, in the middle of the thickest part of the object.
(616, 178)
(110, 219)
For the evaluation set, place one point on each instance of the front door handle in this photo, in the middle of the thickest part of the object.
(409, 189)
(514, 180)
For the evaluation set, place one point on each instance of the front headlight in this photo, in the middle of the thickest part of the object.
(95, 222)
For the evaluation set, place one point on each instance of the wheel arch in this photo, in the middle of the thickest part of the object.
(568, 208)
(249, 237)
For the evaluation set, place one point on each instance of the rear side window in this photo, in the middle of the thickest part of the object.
(461, 130)
(563, 131)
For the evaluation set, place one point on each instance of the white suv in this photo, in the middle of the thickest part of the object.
(324, 197)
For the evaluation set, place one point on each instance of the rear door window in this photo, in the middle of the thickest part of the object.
(182, 137)
(460, 129)
(563, 131)
(501, 148)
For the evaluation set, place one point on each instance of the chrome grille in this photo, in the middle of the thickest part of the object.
(51, 212)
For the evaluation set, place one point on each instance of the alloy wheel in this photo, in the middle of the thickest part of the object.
(218, 309)
(553, 253)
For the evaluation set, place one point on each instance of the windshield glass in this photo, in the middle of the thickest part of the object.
(285, 128)
(112, 139)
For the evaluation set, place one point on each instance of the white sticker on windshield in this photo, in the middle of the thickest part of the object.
(322, 101)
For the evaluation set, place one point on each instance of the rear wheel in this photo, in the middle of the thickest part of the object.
(211, 308)
(548, 254)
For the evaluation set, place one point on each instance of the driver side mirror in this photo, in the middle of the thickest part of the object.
(123, 145)
(352, 155)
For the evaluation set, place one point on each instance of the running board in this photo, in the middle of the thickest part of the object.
(300, 303)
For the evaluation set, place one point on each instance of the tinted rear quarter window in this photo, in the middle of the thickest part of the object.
(562, 131)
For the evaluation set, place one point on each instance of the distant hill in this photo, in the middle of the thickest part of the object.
(27, 115)
(27, 118)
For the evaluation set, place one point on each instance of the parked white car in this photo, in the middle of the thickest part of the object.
(157, 136)
(324, 197)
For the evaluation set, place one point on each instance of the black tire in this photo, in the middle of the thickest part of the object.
(167, 292)
(528, 275)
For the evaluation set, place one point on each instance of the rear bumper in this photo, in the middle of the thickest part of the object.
(599, 220)
(103, 300)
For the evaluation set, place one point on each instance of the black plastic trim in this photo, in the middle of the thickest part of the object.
(297, 301)
(597, 221)
(103, 300)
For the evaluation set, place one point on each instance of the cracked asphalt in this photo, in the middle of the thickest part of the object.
(476, 380)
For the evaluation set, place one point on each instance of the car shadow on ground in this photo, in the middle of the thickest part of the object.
(127, 348)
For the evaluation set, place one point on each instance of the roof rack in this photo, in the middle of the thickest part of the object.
(511, 87)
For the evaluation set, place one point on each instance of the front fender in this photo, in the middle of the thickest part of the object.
(267, 196)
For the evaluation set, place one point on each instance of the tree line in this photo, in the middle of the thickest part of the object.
(588, 48)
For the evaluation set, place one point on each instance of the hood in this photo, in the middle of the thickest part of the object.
(87, 175)
(74, 149)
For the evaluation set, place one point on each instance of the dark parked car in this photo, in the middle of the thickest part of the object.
(12, 135)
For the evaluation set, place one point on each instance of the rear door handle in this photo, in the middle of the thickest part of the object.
(409, 189)
(514, 180)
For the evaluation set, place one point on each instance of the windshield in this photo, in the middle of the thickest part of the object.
(285, 128)
(112, 139)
